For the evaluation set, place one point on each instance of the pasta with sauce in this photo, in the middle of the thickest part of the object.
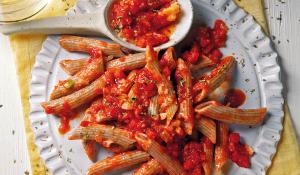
(151, 109)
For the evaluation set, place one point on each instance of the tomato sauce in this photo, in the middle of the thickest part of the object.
(193, 157)
(144, 22)
(238, 152)
(208, 43)
(65, 116)
(234, 98)
(135, 118)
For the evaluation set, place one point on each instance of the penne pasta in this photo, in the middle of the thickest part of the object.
(204, 62)
(232, 115)
(167, 62)
(91, 149)
(117, 162)
(99, 132)
(90, 146)
(129, 62)
(209, 83)
(126, 63)
(83, 44)
(153, 107)
(185, 99)
(151, 167)
(75, 99)
(207, 127)
(166, 94)
(82, 78)
(221, 150)
(209, 155)
(156, 151)
(71, 67)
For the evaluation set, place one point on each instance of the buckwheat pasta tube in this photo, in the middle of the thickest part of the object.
(209, 155)
(91, 149)
(83, 44)
(209, 83)
(129, 62)
(125, 63)
(184, 92)
(156, 151)
(221, 150)
(207, 127)
(153, 107)
(119, 136)
(167, 62)
(71, 67)
(232, 115)
(82, 78)
(151, 167)
(117, 162)
(204, 62)
(166, 94)
(75, 99)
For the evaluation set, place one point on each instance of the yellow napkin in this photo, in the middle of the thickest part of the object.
(26, 47)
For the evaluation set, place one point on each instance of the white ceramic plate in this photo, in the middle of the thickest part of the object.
(257, 73)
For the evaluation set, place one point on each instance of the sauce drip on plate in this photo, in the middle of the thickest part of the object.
(235, 98)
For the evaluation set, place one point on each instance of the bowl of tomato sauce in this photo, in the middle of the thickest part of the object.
(157, 23)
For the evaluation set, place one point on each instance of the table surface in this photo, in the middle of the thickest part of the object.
(284, 22)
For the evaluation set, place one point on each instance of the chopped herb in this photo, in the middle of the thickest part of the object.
(242, 62)
(69, 84)
(69, 160)
(1, 106)
(252, 91)
(273, 37)
(155, 11)
(133, 98)
(247, 79)
(255, 46)
(181, 82)
(222, 69)
(117, 30)
(15, 161)
(119, 17)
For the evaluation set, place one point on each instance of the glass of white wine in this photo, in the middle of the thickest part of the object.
(19, 10)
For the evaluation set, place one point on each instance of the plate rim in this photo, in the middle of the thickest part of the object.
(267, 68)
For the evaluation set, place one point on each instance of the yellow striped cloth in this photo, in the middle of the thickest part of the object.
(26, 47)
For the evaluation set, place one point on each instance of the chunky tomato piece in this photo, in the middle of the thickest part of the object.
(238, 152)
(220, 33)
(208, 42)
(142, 22)
(193, 156)
(192, 55)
